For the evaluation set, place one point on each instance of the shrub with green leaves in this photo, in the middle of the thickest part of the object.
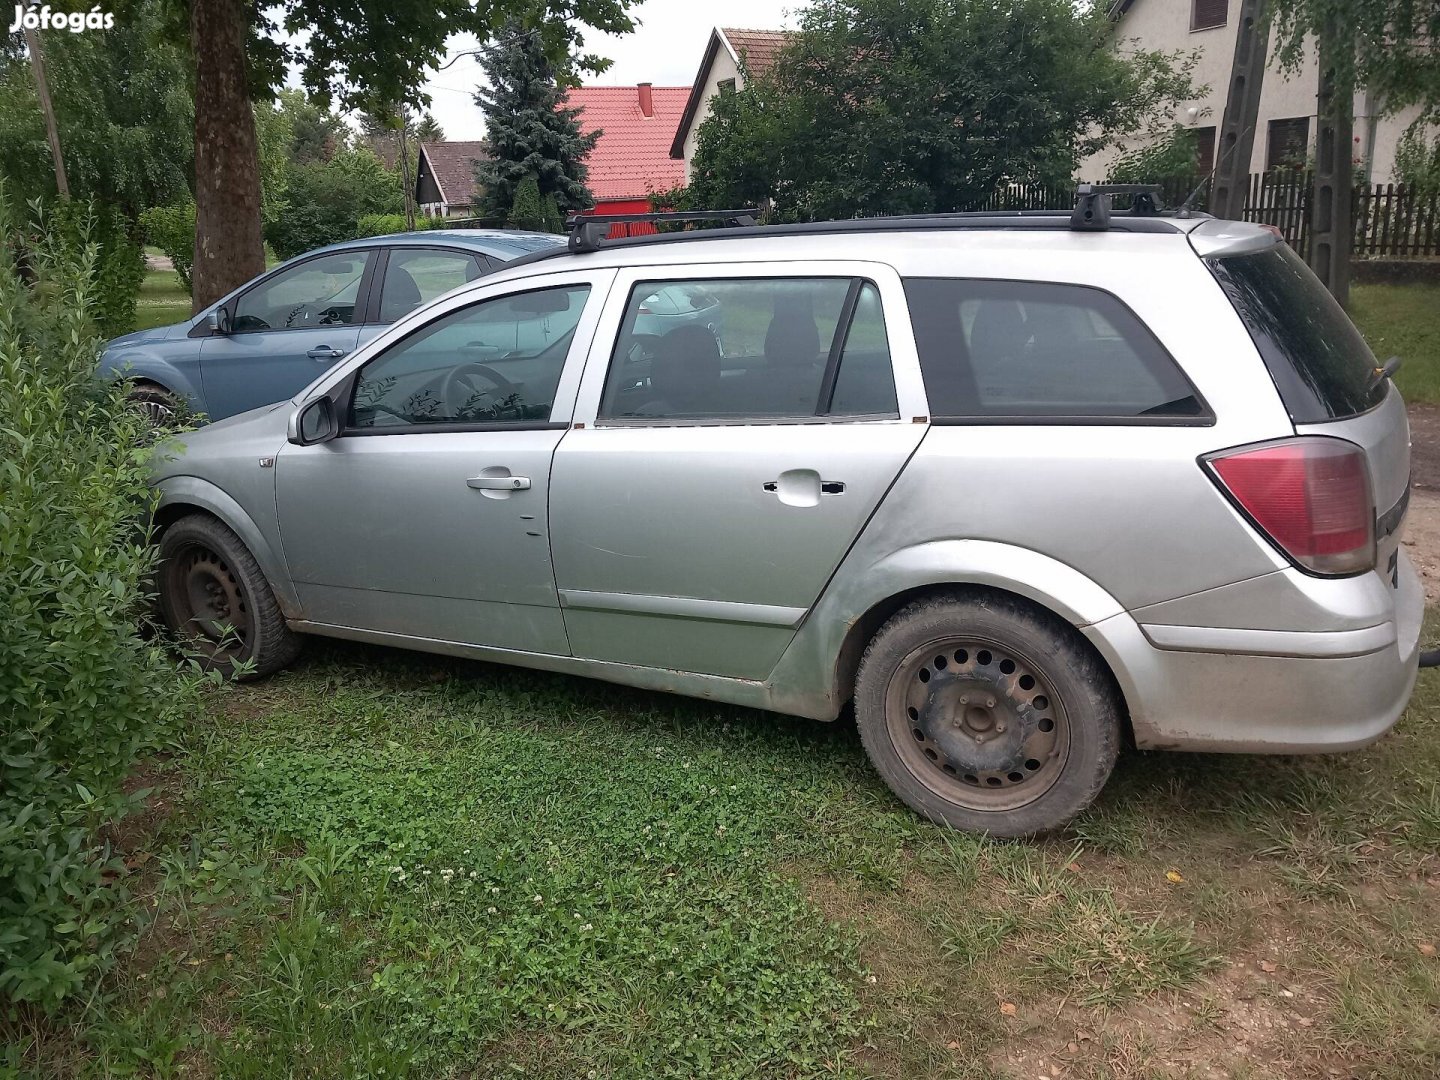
(172, 230)
(118, 266)
(380, 224)
(82, 693)
(527, 212)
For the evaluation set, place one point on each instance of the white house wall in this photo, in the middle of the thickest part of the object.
(721, 68)
(1165, 25)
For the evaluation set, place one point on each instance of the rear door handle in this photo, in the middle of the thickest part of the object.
(499, 483)
(325, 352)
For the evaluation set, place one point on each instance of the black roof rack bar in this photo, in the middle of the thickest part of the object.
(1092, 204)
(1021, 220)
(588, 231)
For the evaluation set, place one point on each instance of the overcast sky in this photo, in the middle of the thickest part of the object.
(665, 49)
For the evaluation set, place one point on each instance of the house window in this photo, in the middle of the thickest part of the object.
(726, 86)
(1289, 143)
(1208, 14)
(1205, 150)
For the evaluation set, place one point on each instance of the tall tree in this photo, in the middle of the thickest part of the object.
(354, 52)
(122, 105)
(926, 105)
(530, 130)
(428, 129)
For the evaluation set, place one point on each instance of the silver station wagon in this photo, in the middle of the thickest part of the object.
(1019, 487)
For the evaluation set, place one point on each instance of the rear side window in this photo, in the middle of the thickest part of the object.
(1024, 349)
(746, 349)
(1320, 363)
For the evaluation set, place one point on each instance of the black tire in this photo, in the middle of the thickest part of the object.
(986, 714)
(217, 603)
(158, 405)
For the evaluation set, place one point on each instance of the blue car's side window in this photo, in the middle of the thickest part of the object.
(318, 292)
(415, 276)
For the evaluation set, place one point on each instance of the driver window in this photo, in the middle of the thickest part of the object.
(319, 292)
(495, 362)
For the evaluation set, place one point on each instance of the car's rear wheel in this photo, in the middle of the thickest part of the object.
(986, 714)
(217, 603)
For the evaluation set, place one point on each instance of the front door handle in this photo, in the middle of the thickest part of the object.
(499, 483)
(325, 352)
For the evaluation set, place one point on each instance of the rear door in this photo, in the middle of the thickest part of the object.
(716, 478)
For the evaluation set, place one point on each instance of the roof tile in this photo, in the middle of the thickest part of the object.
(632, 159)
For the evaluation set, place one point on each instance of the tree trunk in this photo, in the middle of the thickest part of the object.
(1332, 231)
(229, 249)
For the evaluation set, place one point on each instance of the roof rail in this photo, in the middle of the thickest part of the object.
(1092, 204)
(589, 229)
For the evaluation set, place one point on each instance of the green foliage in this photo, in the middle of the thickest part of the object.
(122, 103)
(1173, 155)
(380, 224)
(1386, 46)
(927, 105)
(84, 692)
(172, 230)
(327, 199)
(552, 221)
(428, 129)
(119, 264)
(527, 211)
(1417, 161)
(530, 130)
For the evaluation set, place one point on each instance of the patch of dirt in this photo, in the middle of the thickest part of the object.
(1422, 524)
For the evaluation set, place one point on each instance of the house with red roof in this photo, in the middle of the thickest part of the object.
(729, 55)
(631, 161)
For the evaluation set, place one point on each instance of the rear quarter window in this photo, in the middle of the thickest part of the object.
(1319, 362)
(1029, 350)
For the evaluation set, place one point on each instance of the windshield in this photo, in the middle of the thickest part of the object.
(1320, 363)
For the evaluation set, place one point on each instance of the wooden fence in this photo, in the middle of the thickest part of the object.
(1392, 221)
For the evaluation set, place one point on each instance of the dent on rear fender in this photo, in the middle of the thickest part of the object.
(806, 678)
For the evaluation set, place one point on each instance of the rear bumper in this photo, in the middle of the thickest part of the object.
(1266, 691)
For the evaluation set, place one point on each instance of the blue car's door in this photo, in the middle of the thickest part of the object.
(285, 331)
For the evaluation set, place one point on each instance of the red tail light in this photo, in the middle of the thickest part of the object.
(1310, 496)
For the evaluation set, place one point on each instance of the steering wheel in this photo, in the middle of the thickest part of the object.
(464, 384)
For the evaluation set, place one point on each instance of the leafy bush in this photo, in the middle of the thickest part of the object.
(1417, 161)
(118, 267)
(380, 224)
(83, 693)
(172, 230)
(327, 199)
(527, 212)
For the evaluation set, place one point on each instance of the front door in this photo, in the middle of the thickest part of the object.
(428, 516)
(285, 332)
(732, 460)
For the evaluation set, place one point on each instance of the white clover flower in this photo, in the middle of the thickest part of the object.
(537, 899)
(474, 874)
(490, 911)
(587, 926)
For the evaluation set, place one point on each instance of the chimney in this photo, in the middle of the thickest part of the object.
(647, 101)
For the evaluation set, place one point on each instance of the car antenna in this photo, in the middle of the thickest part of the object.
(1184, 210)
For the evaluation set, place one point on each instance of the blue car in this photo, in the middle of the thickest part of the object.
(275, 335)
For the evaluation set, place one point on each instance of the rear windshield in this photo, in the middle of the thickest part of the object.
(1320, 363)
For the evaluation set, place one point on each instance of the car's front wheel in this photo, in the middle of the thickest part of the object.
(217, 603)
(986, 714)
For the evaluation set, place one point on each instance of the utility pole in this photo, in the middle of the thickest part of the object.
(42, 88)
(1242, 113)
(405, 168)
(1331, 234)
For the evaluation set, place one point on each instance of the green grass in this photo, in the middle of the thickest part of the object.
(389, 864)
(162, 301)
(1404, 321)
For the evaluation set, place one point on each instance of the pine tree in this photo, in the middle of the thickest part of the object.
(529, 131)
(552, 220)
(527, 211)
(429, 130)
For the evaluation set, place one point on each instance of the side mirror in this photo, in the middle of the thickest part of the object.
(313, 423)
(219, 321)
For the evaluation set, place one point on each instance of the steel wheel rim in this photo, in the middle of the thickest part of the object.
(155, 411)
(210, 605)
(977, 723)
